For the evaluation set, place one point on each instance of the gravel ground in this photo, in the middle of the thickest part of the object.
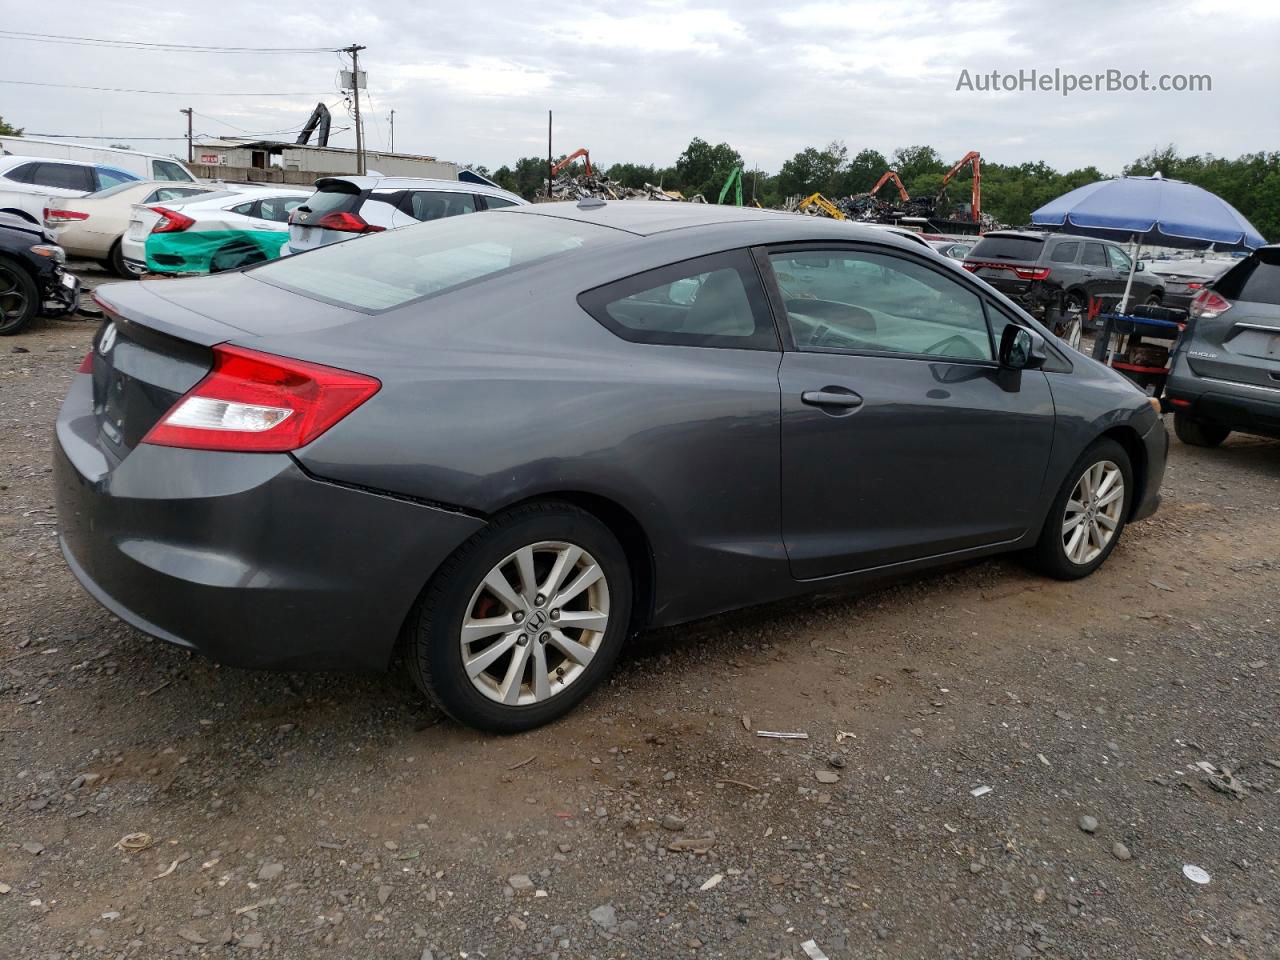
(997, 766)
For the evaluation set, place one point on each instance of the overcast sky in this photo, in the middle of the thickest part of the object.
(634, 81)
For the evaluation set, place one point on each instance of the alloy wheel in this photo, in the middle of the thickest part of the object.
(1092, 514)
(534, 623)
(13, 299)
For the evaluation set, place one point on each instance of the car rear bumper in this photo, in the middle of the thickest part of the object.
(1249, 408)
(243, 557)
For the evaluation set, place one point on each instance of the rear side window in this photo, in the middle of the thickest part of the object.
(436, 204)
(168, 170)
(496, 203)
(714, 301)
(997, 247)
(1095, 255)
(278, 209)
(111, 178)
(22, 173)
(385, 270)
(170, 193)
(244, 209)
(1065, 252)
(1253, 280)
(64, 176)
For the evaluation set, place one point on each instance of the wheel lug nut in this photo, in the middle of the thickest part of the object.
(539, 599)
(522, 639)
(544, 638)
(518, 616)
(555, 614)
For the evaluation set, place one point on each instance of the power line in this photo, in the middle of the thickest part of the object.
(144, 45)
(198, 136)
(171, 93)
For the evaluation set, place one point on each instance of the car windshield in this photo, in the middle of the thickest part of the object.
(386, 270)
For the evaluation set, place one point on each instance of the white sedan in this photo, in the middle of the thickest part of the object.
(92, 227)
(234, 227)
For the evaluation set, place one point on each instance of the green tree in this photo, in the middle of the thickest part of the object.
(914, 164)
(8, 130)
(703, 168)
(861, 173)
(813, 170)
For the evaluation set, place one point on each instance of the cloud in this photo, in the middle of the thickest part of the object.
(636, 81)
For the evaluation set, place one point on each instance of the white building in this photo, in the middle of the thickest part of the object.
(304, 158)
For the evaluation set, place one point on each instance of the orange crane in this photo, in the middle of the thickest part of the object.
(580, 152)
(891, 175)
(972, 157)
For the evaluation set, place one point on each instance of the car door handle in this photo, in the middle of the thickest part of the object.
(831, 397)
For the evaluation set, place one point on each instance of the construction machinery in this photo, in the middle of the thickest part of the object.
(974, 159)
(733, 182)
(891, 175)
(317, 123)
(823, 204)
(580, 152)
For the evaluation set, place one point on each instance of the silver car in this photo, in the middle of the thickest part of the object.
(345, 206)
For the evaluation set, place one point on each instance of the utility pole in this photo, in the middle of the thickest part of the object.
(354, 50)
(191, 155)
(549, 155)
(393, 131)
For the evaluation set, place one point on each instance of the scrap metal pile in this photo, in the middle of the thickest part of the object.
(570, 186)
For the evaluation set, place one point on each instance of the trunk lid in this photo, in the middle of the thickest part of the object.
(155, 345)
(1242, 344)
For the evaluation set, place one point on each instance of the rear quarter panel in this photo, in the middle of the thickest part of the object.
(490, 399)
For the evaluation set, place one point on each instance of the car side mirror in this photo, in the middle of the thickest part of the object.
(1022, 349)
(1140, 266)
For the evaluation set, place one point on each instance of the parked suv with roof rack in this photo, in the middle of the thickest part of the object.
(1043, 271)
(1226, 366)
(343, 207)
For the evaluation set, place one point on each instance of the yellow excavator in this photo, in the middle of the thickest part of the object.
(823, 204)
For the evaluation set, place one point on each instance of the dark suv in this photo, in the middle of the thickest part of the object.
(1046, 270)
(1226, 366)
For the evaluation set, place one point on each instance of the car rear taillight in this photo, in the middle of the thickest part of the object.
(1022, 273)
(255, 402)
(86, 365)
(170, 221)
(1208, 305)
(346, 223)
(1192, 285)
(52, 217)
(1031, 273)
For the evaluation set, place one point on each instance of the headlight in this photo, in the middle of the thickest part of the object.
(51, 250)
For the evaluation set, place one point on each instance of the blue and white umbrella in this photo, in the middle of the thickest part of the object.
(1152, 211)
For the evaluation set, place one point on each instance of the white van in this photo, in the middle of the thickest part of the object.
(148, 166)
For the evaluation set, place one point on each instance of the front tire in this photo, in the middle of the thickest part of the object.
(523, 621)
(1088, 514)
(1198, 433)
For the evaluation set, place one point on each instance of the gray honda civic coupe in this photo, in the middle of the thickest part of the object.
(494, 447)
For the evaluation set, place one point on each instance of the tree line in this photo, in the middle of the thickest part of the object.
(1250, 183)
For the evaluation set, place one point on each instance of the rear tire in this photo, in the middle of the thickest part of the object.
(1198, 433)
(117, 265)
(537, 673)
(1095, 516)
(19, 297)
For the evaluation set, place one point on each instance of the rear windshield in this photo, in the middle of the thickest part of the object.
(1007, 248)
(334, 198)
(1253, 280)
(385, 270)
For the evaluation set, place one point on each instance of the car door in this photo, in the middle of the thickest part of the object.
(1099, 277)
(1120, 266)
(902, 438)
